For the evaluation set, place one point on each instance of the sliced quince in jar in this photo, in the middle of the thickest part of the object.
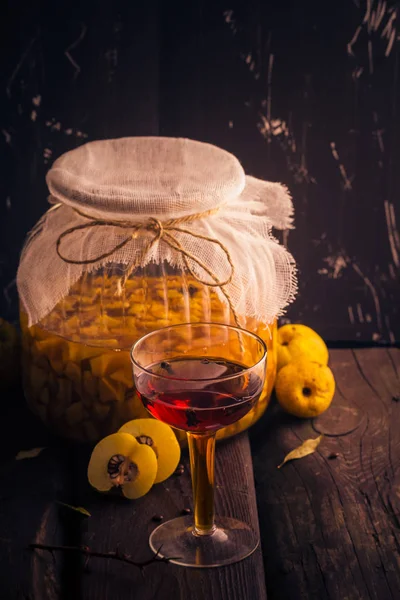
(38, 333)
(37, 380)
(90, 386)
(51, 345)
(73, 324)
(119, 460)
(101, 411)
(75, 413)
(57, 365)
(52, 349)
(136, 309)
(38, 358)
(161, 439)
(107, 363)
(132, 408)
(123, 376)
(109, 343)
(123, 332)
(111, 391)
(62, 400)
(75, 352)
(107, 323)
(73, 372)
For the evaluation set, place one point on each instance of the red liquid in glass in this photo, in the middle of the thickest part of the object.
(206, 404)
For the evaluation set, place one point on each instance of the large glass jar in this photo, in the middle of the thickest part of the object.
(144, 232)
(76, 365)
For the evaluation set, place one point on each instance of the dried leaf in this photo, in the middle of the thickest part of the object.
(307, 447)
(78, 509)
(29, 453)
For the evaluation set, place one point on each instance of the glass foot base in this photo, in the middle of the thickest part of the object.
(231, 542)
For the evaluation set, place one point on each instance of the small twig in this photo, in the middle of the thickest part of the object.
(116, 555)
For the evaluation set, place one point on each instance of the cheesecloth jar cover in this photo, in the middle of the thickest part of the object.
(142, 233)
(135, 201)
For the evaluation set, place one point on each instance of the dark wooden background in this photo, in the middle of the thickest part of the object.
(305, 93)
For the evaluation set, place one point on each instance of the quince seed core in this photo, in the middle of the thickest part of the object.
(121, 469)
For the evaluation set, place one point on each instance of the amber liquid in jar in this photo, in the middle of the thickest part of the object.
(76, 365)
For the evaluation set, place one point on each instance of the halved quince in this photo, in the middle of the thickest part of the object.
(119, 460)
(161, 439)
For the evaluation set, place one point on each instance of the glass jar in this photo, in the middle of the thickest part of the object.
(76, 366)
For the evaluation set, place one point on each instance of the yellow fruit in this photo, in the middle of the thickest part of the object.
(119, 460)
(161, 439)
(305, 388)
(300, 341)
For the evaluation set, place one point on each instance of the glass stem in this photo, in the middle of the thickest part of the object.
(202, 466)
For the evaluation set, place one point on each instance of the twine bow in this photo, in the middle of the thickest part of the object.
(161, 232)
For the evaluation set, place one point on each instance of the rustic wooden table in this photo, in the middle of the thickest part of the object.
(329, 523)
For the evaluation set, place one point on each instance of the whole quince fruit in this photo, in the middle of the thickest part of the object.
(299, 341)
(305, 388)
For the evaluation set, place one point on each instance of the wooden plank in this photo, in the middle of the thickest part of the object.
(330, 528)
(127, 525)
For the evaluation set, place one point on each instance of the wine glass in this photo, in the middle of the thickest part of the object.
(200, 377)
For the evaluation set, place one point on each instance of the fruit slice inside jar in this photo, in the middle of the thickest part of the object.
(77, 370)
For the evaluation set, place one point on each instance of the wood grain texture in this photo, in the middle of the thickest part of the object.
(330, 528)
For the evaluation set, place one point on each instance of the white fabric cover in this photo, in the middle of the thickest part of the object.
(133, 179)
